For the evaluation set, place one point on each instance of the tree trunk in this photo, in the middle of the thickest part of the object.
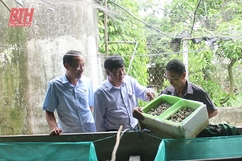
(231, 78)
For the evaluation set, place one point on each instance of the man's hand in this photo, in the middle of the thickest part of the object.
(56, 131)
(150, 94)
(137, 113)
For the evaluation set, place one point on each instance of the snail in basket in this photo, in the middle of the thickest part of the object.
(159, 110)
(181, 114)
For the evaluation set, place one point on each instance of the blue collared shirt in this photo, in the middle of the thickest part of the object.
(71, 103)
(113, 105)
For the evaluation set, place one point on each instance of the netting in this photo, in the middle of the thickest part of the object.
(200, 148)
(51, 151)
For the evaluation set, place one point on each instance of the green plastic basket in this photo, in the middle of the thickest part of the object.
(187, 128)
(183, 103)
(159, 100)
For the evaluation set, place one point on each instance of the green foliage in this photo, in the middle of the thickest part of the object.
(204, 73)
(230, 49)
(213, 18)
(210, 65)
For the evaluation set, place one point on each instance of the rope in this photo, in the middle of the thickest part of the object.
(118, 138)
(119, 135)
(103, 138)
(126, 130)
(5, 4)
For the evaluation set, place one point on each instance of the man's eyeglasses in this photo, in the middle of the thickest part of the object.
(174, 78)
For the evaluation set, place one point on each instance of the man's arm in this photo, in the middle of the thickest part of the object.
(140, 91)
(90, 95)
(50, 118)
(99, 111)
(91, 108)
(212, 113)
(212, 110)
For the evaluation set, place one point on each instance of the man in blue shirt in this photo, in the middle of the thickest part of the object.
(71, 95)
(117, 97)
(181, 87)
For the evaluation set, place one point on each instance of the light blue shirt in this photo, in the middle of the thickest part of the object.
(71, 103)
(113, 105)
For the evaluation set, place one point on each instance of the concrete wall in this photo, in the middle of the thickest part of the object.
(228, 115)
(31, 56)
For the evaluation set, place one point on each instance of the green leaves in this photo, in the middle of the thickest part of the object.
(221, 19)
(123, 34)
(208, 65)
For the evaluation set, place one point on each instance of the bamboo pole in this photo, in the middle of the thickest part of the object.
(185, 56)
(106, 28)
(6, 5)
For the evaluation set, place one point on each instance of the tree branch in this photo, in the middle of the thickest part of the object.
(140, 20)
(194, 17)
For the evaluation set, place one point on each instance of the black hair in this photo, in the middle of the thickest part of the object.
(68, 57)
(113, 62)
(176, 66)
